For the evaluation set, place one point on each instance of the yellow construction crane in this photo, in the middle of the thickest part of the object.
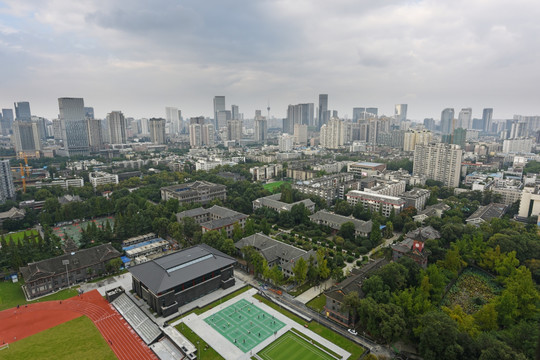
(23, 179)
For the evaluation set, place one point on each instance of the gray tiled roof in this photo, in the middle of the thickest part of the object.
(159, 275)
(488, 212)
(219, 223)
(272, 249)
(77, 260)
(423, 234)
(338, 220)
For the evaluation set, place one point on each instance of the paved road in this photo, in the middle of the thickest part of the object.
(291, 302)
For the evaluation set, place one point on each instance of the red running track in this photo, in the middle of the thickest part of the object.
(16, 324)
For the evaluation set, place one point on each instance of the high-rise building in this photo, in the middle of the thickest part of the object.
(447, 121)
(223, 116)
(459, 137)
(22, 111)
(260, 129)
(143, 126)
(156, 127)
(207, 135)
(440, 162)
(372, 112)
(172, 116)
(300, 114)
(235, 114)
(26, 138)
(358, 113)
(7, 189)
(323, 108)
(234, 130)
(73, 125)
(429, 124)
(219, 105)
(400, 113)
(416, 137)
(300, 134)
(285, 142)
(465, 119)
(95, 134)
(89, 112)
(117, 127)
(195, 135)
(487, 116)
(333, 134)
(7, 121)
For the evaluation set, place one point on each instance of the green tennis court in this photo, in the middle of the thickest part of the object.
(244, 324)
(291, 346)
(74, 229)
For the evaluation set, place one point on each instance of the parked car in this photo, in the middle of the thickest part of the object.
(352, 331)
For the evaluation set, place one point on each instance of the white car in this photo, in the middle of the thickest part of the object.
(352, 331)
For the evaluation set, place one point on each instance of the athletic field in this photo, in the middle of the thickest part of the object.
(18, 236)
(273, 186)
(74, 229)
(291, 346)
(75, 339)
(244, 324)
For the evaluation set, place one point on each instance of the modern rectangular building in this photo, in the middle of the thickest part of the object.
(440, 162)
(376, 202)
(201, 192)
(73, 126)
(7, 189)
(365, 168)
(102, 178)
(173, 280)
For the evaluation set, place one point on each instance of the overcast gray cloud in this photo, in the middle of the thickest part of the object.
(139, 56)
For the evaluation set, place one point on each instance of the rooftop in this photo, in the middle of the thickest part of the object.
(164, 273)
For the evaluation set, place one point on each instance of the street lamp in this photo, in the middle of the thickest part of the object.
(66, 262)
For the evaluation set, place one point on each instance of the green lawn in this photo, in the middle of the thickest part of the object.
(199, 311)
(209, 353)
(11, 295)
(291, 346)
(274, 186)
(344, 343)
(76, 339)
(317, 303)
(18, 236)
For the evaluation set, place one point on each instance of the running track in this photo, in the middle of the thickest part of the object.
(31, 319)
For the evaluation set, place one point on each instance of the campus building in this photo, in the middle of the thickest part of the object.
(47, 276)
(334, 221)
(376, 202)
(275, 252)
(274, 202)
(215, 218)
(201, 192)
(181, 277)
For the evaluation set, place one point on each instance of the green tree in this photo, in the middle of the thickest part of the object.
(438, 337)
(300, 269)
(350, 305)
(113, 265)
(375, 236)
(322, 264)
(347, 231)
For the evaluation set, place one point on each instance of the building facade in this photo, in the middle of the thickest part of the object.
(201, 192)
(7, 189)
(440, 162)
(376, 202)
(157, 130)
(117, 127)
(73, 126)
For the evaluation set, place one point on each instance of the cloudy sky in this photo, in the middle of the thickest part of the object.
(140, 56)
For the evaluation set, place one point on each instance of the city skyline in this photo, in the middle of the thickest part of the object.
(428, 55)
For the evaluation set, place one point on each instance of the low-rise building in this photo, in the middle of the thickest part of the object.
(215, 218)
(413, 245)
(366, 168)
(12, 214)
(376, 202)
(334, 221)
(275, 252)
(102, 178)
(201, 192)
(330, 187)
(416, 198)
(274, 202)
(486, 213)
(336, 294)
(176, 279)
(266, 172)
(47, 276)
(433, 210)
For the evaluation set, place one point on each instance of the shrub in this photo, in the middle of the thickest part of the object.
(350, 259)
